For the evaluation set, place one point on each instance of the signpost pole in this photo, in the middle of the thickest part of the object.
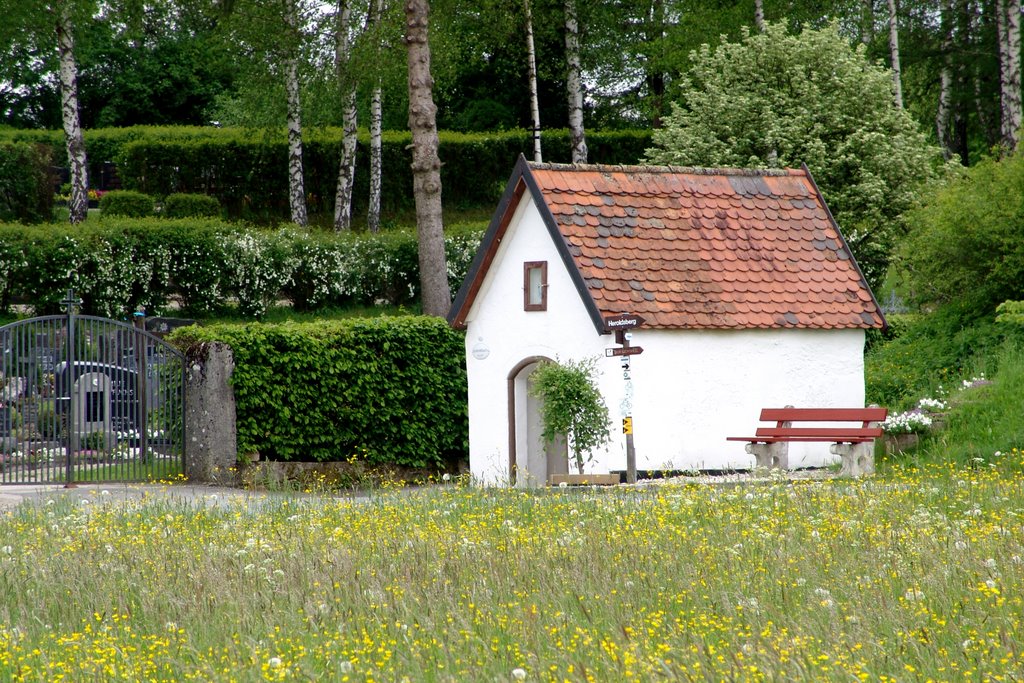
(619, 324)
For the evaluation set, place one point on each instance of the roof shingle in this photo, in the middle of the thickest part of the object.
(698, 248)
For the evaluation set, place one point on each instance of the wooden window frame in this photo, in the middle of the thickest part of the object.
(527, 268)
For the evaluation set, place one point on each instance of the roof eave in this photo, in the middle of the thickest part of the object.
(853, 259)
(522, 179)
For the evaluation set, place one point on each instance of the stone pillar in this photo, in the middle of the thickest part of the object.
(858, 458)
(773, 455)
(210, 437)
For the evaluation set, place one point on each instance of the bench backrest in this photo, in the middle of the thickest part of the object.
(863, 415)
(864, 429)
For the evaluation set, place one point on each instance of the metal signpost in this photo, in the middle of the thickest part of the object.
(620, 324)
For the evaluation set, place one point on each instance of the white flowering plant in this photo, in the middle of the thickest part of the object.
(909, 422)
(931, 405)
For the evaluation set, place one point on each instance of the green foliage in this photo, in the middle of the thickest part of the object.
(386, 390)
(126, 203)
(184, 205)
(26, 182)
(932, 351)
(984, 423)
(572, 405)
(48, 423)
(122, 264)
(967, 245)
(246, 173)
(781, 100)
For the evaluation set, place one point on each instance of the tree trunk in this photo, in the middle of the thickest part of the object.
(296, 186)
(1008, 21)
(376, 116)
(867, 17)
(894, 56)
(759, 15)
(574, 84)
(942, 114)
(973, 23)
(347, 165)
(426, 165)
(74, 142)
(656, 79)
(532, 74)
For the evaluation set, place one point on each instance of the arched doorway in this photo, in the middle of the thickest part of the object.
(531, 460)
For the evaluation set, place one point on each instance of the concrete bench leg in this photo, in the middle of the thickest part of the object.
(858, 458)
(770, 455)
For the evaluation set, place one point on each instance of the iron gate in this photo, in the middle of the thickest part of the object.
(88, 399)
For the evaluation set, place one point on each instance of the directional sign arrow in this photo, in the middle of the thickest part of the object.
(624, 351)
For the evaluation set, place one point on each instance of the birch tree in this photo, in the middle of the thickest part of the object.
(74, 142)
(269, 36)
(942, 112)
(296, 184)
(347, 165)
(759, 15)
(1008, 22)
(531, 57)
(376, 116)
(426, 165)
(574, 83)
(894, 56)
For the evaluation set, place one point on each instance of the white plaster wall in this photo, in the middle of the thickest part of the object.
(692, 388)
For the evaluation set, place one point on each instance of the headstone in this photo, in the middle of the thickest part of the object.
(93, 394)
(123, 409)
(161, 326)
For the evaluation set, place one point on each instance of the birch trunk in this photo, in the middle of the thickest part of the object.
(1009, 73)
(74, 142)
(759, 15)
(426, 165)
(347, 164)
(867, 17)
(532, 71)
(894, 56)
(376, 116)
(574, 83)
(942, 114)
(296, 186)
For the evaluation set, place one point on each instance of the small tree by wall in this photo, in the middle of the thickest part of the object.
(572, 405)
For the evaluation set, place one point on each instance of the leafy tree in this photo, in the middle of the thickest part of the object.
(572, 405)
(776, 99)
(967, 246)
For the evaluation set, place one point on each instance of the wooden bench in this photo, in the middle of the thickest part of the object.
(854, 443)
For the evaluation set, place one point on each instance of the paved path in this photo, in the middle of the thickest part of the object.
(14, 495)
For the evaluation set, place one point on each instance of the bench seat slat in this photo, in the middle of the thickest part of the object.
(823, 414)
(823, 432)
(802, 439)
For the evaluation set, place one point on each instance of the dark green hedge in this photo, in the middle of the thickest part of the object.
(26, 182)
(119, 264)
(382, 390)
(126, 203)
(246, 170)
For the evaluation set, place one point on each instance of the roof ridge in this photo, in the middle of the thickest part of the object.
(693, 170)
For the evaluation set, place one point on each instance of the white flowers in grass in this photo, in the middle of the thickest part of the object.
(913, 595)
(931, 405)
(910, 422)
(519, 674)
(274, 662)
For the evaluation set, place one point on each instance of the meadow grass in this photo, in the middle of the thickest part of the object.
(914, 575)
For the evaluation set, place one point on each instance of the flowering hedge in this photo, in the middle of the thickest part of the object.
(383, 390)
(119, 265)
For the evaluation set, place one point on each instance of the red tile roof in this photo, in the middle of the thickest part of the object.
(696, 248)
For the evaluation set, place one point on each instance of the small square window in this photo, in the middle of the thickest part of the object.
(535, 286)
